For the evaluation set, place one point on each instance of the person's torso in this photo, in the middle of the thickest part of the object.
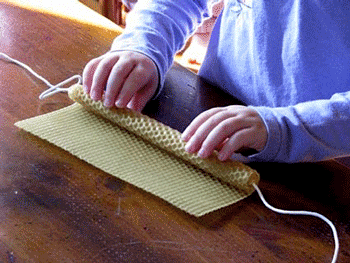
(280, 52)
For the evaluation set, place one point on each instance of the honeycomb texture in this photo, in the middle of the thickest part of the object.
(121, 153)
(163, 136)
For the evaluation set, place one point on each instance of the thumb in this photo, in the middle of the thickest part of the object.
(239, 158)
(142, 96)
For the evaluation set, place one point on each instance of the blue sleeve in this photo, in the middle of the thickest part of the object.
(307, 132)
(160, 28)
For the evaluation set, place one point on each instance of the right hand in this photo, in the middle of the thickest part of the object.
(130, 79)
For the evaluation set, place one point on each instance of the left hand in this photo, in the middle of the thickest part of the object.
(227, 129)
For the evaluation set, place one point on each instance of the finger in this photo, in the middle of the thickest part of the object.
(197, 122)
(101, 76)
(116, 79)
(220, 133)
(241, 139)
(216, 125)
(219, 147)
(88, 73)
(140, 99)
(137, 79)
(239, 158)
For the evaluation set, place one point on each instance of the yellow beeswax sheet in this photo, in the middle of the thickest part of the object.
(143, 152)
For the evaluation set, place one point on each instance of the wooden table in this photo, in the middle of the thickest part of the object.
(57, 208)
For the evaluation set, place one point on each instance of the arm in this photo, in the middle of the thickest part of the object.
(160, 28)
(141, 56)
(306, 61)
(309, 131)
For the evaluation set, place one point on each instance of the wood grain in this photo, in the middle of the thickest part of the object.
(57, 208)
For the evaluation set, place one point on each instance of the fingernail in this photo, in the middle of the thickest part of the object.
(184, 137)
(202, 153)
(222, 157)
(93, 96)
(119, 104)
(108, 103)
(188, 147)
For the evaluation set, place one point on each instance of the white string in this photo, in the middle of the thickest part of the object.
(53, 89)
(57, 88)
(307, 213)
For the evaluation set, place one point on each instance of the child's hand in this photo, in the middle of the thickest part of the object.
(228, 130)
(129, 79)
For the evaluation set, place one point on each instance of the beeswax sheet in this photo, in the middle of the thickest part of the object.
(120, 153)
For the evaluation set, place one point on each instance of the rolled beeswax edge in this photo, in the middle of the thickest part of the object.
(234, 173)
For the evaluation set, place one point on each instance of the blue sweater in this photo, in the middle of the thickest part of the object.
(287, 59)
